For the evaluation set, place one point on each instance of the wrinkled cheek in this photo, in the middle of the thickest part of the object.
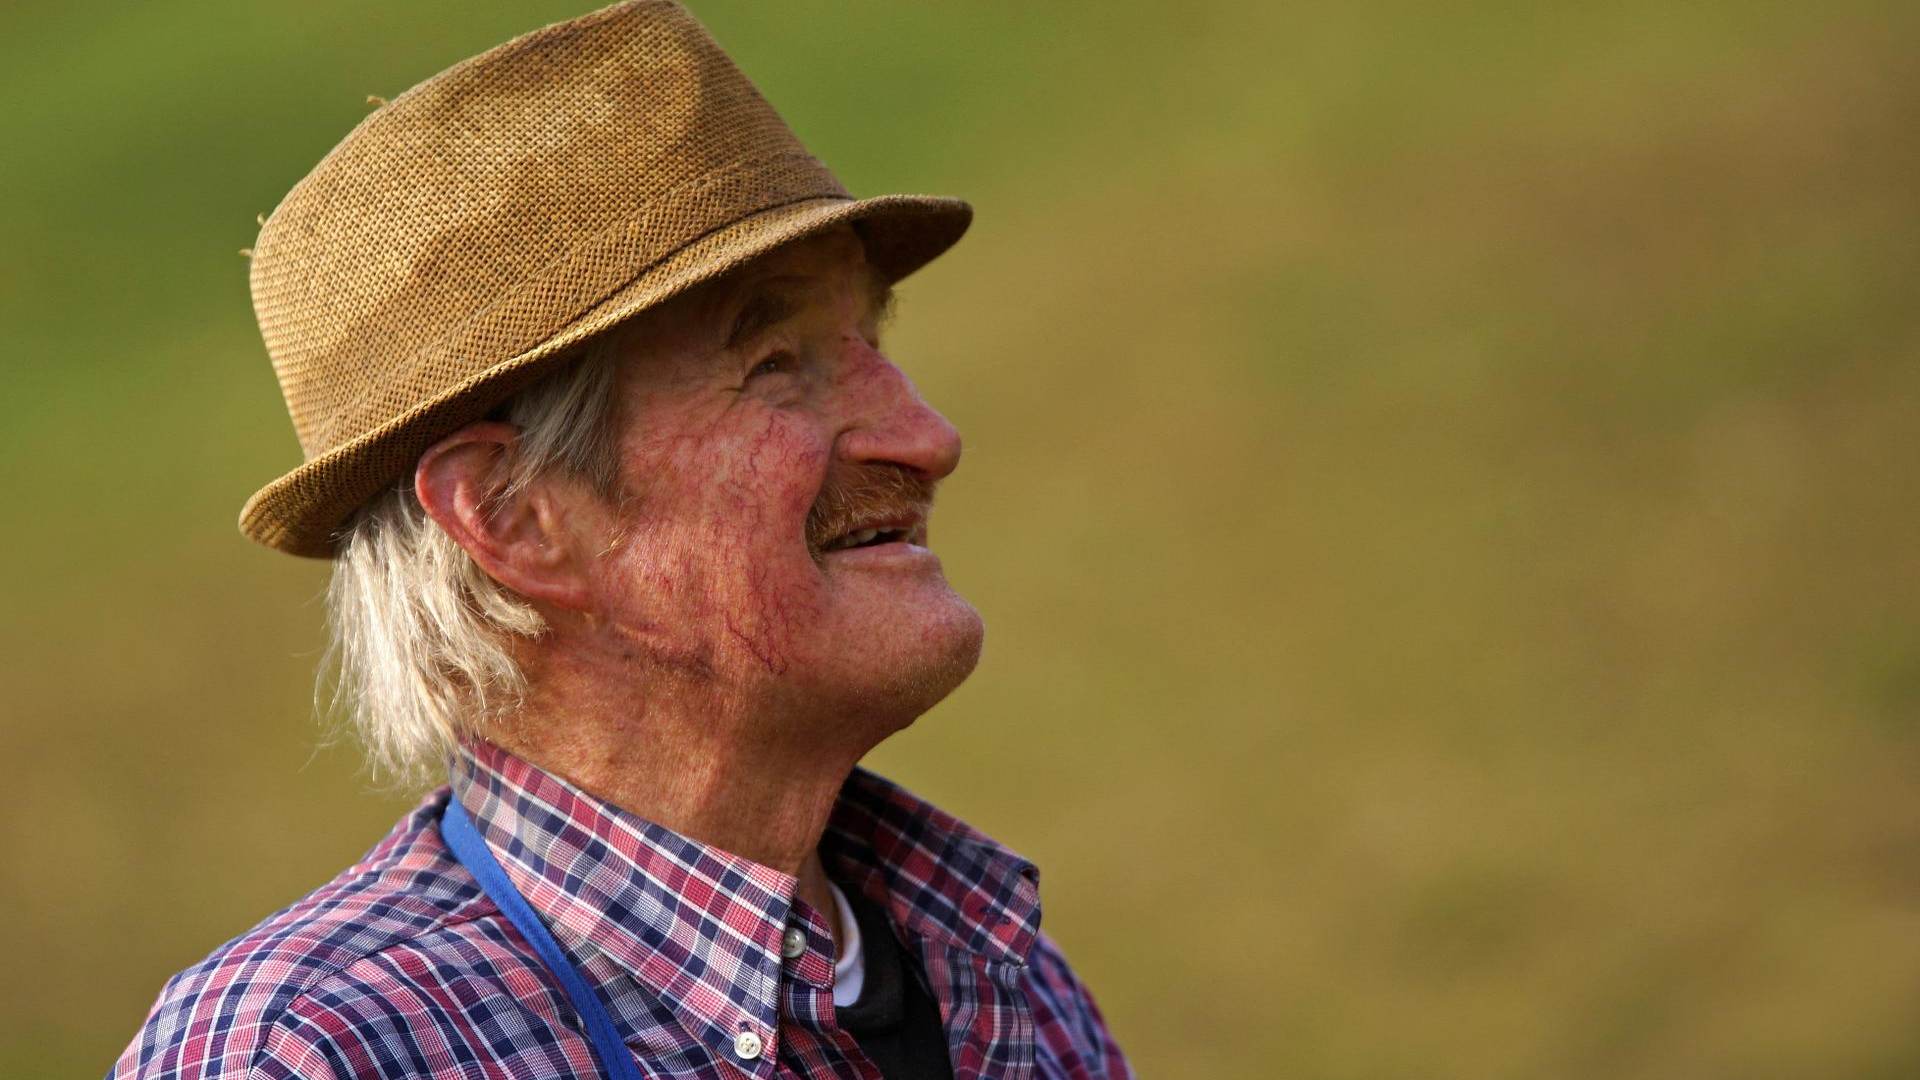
(770, 476)
(719, 573)
(764, 587)
(728, 603)
(744, 607)
(654, 601)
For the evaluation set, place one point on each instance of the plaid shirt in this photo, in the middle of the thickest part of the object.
(401, 966)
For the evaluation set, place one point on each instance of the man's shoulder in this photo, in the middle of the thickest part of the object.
(398, 917)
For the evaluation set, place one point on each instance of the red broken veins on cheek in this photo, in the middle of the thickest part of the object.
(743, 569)
(766, 498)
(714, 561)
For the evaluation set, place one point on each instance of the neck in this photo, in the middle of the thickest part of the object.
(707, 767)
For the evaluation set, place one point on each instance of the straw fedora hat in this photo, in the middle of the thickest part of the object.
(476, 228)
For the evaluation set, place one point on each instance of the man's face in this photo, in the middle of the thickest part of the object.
(763, 434)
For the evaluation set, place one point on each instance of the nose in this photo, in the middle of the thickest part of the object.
(890, 422)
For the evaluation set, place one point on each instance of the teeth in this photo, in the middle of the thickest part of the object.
(856, 538)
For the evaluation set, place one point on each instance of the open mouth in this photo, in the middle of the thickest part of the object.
(871, 537)
(873, 505)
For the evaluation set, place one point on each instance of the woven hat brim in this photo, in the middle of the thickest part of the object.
(301, 513)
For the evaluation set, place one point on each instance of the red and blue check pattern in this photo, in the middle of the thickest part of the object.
(401, 967)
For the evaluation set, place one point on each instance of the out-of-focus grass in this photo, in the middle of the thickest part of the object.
(1440, 481)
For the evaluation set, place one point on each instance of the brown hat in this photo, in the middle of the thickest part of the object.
(471, 231)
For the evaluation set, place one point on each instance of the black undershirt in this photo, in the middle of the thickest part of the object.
(895, 1019)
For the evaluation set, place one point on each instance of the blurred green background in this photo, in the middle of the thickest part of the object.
(1441, 482)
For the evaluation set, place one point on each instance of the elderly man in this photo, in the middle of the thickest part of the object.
(628, 513)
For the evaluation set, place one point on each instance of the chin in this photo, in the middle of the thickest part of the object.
(960, 641)
(895, 685)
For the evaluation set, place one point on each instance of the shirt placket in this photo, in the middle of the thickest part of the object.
(814, 1041)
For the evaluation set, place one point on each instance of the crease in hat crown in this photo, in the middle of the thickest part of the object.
(470, 232)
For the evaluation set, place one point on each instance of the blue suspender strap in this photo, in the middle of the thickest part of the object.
(472, 852)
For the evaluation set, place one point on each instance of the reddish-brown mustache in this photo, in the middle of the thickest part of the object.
(867, 497)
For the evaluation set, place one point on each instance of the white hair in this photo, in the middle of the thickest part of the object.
(421, 635)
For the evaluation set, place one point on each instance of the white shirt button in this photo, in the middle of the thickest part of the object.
(746, 1045)
(793, 942)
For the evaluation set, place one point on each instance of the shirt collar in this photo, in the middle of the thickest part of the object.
(655, 918)
(936, 876)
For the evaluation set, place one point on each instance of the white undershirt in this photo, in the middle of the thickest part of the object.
(850, 970)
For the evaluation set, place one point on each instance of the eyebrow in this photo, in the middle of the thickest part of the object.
(765, 308)
(768, 305)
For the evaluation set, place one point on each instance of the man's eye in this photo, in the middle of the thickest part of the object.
(778, 362)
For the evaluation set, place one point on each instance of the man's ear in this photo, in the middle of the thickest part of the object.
(520, 540)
